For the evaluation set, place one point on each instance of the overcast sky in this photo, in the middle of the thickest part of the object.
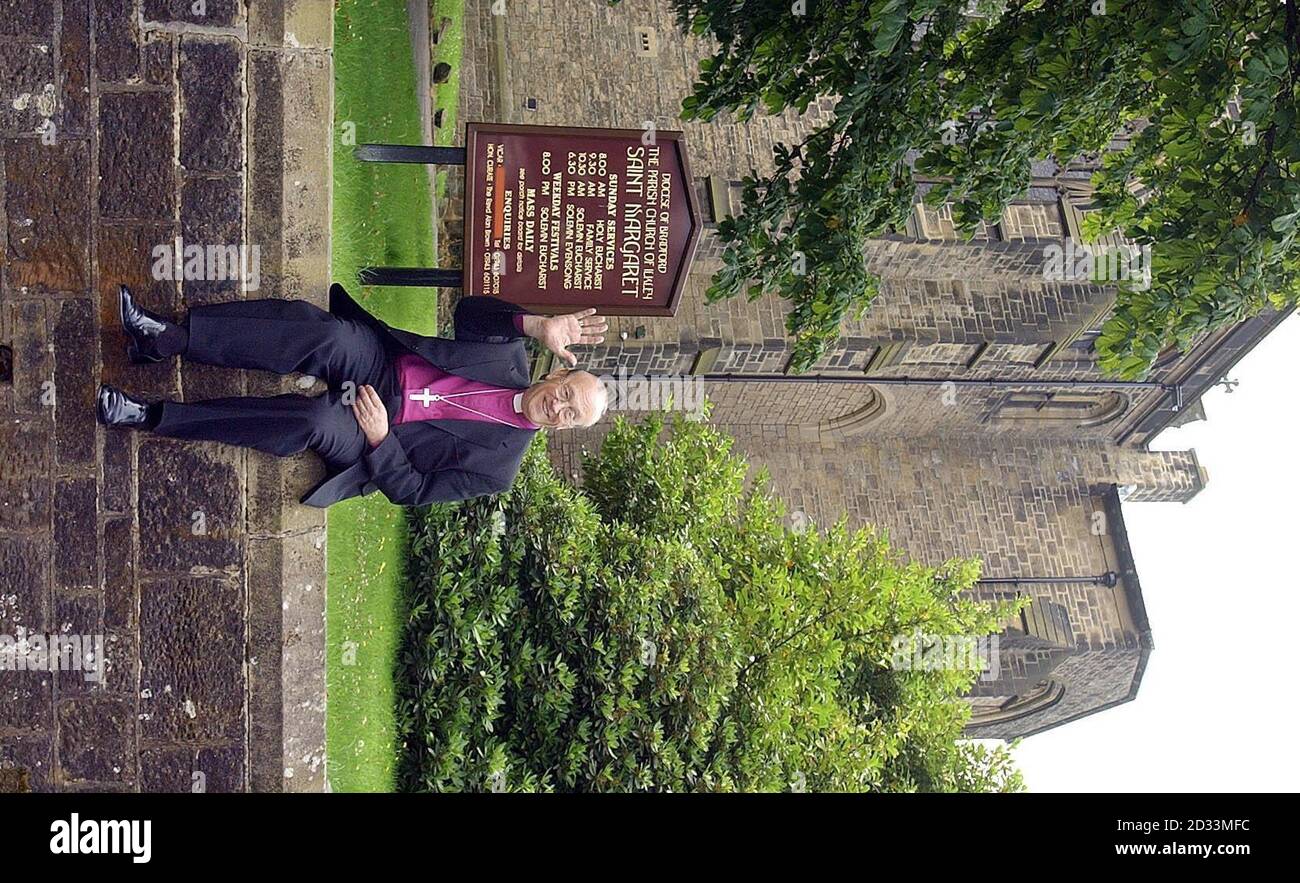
(1217, 707)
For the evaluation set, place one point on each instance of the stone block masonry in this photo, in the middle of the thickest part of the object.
(125, 124)
(1025, 474)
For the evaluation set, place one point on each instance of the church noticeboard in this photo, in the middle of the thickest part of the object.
(561, 218)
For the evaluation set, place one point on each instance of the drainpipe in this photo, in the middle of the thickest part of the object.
(939, 381)
(1109, 579)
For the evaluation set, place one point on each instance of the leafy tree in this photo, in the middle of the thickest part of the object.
(973, 99)
(664, 629)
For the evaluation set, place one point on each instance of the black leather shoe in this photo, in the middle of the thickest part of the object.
(120, 410)
(142, 326)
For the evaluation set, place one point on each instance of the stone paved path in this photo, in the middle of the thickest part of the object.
(124, 124)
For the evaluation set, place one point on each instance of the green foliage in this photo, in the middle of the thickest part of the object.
(663, 629)
(1215, 198)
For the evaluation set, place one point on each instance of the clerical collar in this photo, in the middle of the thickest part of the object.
(519, 402)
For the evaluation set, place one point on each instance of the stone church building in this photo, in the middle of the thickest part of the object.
(1026, 471)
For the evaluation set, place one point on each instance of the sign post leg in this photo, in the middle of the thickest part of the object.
(425, 154)
(439, 277)
(411, 153)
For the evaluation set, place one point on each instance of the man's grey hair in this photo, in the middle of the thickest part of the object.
(602, 406)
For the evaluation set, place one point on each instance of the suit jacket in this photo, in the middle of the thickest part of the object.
(439, 461)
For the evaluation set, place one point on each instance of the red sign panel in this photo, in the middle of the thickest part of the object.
(561, 218)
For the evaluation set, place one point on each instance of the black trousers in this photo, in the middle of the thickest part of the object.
(285, 336)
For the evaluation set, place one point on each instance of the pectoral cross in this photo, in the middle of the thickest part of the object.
(425, 397)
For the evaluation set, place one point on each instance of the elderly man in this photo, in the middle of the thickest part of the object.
(421, 419)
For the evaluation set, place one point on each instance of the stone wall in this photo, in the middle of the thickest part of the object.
(947, 471)
(124, 124)
(1093, 681)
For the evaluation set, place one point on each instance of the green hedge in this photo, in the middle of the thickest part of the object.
(663, 629)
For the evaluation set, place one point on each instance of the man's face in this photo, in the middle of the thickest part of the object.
(564, 399)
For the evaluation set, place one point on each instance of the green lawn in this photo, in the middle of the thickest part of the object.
(382, 215)
(446, 95)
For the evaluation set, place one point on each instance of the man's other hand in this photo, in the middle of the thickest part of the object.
(371, 415)
(558, 333)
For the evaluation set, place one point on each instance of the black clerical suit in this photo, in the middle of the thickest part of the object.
(421, 462)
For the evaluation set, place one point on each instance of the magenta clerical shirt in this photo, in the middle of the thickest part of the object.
(429, 393)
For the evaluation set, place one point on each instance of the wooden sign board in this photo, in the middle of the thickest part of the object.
(562, 218)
